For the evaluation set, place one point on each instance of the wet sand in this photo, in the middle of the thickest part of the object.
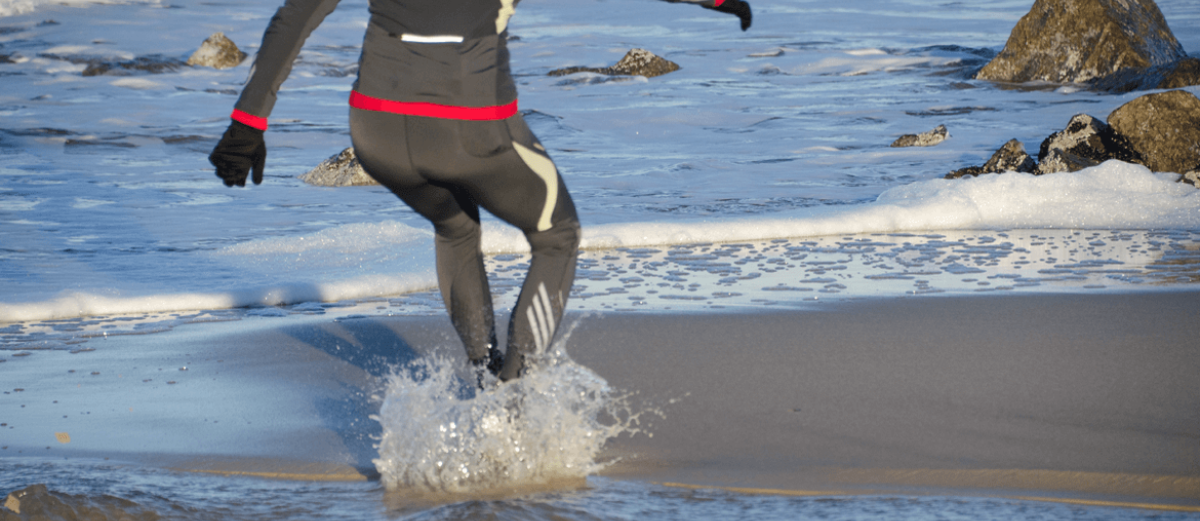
(1079, 396)
(1037, 394)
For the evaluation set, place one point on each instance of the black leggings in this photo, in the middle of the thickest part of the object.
(446, 169)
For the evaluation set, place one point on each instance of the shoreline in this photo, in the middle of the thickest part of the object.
(708, 276)
(925, 396)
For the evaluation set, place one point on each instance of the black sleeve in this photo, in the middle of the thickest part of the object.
(281, 43)
(738, 8)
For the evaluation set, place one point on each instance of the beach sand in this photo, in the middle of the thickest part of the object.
(1085, 397)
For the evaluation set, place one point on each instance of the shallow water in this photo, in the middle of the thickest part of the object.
(108, 205)
(759, 175)
(117, 491)
(790, 273)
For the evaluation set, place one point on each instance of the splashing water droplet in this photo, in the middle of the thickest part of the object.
(440, 436)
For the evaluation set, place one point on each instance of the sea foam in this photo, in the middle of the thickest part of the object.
(441, 436)
(1113, 195)
(84, 303)
(15, 7)
(364, 260)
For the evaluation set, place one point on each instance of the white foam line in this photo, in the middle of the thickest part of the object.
(16, 7)
(1114, 195)
(78, 304)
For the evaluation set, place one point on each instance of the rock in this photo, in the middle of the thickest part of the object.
(152, 64)
(111, 65)
(924, 139)
(640, 62)
(637, 62)
(1192, 178)
(973, 171)
(1085, 142)
(339, 170)
(217, 52)
(1163, 128)
(1075, 41)
(1183, 73)
(1010, 157)
(1059, 160)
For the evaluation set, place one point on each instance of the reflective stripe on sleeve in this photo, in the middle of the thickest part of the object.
(416, 38)
(249, 119)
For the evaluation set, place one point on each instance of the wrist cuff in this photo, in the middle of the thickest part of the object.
(249, 119)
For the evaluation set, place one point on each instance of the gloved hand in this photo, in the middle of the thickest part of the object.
(736, 7)
(240, 150)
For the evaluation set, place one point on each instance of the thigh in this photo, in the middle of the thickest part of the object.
(381, 142)
(520, 183)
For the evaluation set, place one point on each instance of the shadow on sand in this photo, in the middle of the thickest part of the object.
(370, 350)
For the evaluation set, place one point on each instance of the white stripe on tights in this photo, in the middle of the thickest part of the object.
(548, 313)
(545, 169)
(533, 326)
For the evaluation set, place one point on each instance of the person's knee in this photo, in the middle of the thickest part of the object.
(457, 228)
(563, 237)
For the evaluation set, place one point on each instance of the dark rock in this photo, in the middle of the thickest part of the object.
(968, 171)
(948, 111)
(150, 64)
(1085, 142)
(1075, 41)
(924, 139)
(342, 169)
(637, 62)
(1183, 73)
(1192, 178)
(1164, 128)
(217, 52)
(1059, 160)
(1011, 157)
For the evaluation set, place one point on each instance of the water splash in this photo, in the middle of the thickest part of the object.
(440, 435)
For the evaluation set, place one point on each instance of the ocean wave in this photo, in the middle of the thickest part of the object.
(344, 239)
(1113, 195)
(16, 7)
(83, 303)
(364, 260)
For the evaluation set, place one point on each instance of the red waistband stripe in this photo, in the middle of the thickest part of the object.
(432, 110)
(249, 119)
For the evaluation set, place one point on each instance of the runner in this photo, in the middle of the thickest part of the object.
(434, 119)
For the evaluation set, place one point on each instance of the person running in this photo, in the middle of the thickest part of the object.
(434, 119)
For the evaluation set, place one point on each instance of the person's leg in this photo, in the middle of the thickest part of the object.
(506, 171)
(544, 293)
(381, 146)
(461, 275)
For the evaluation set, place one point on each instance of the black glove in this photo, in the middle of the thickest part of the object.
(240, 150)
(736, 7)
